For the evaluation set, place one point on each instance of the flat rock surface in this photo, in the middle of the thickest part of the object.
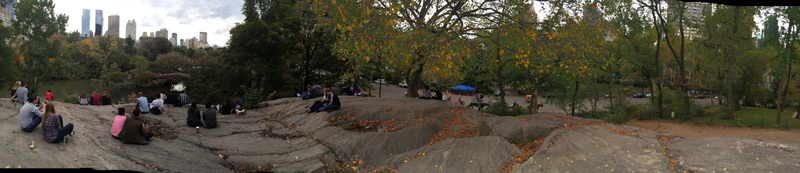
(377, 134)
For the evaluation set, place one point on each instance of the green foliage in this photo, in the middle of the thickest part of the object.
(519, 137)
(41, 44)
(171, 63)
(141, 73)
(112, 76)
(501, 109)
(71, 99)
(152, 47)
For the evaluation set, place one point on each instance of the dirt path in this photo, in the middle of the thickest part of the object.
(692, 131)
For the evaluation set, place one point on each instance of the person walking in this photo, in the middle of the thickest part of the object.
(54, 129)
(29, 115)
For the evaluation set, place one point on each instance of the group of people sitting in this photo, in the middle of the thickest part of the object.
(130, 129)
(313, 91)
(427, 90)
(156, 107)
(328, 103)
(53, 128)
(95, 98)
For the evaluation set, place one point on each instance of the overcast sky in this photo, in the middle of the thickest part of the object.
(187, 18)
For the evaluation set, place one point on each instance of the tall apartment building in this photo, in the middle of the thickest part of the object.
(85, 20)
(182, 43)
(98, 22)
(113, 26)
(192, 43)
(174, 39)
(152, 35)
(130, 29)
(163, 33)
(693, 13)
(203, 38)
(7, 12)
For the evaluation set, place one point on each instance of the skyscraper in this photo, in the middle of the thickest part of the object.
(144, 34)
(174, 39)
(203, 37)
(182, 43)
(7, 12)
(693, 13)
(163, 33)
(85, 27)
(113, 26)
(130, 29)
(98, 22)
(152, 34)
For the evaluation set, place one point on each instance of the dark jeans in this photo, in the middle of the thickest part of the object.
(147, 135)
(155, 111)
(234, 102)
(65, 130)
(34, 123)
(318, 106)
(191, 123)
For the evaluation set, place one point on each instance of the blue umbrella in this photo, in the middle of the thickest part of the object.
(463, 88)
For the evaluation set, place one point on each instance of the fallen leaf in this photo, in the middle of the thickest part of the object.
(220, 156)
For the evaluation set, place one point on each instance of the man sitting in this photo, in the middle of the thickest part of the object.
(133, 131)
(329, 102)
(157, 106)
(29, 115)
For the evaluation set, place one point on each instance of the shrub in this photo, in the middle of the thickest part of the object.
(501, 109)
(72, 98)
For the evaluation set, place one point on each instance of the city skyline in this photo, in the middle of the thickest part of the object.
(187, 18)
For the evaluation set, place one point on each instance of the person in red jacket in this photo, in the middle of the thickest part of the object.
(96, 98)
(48, 96)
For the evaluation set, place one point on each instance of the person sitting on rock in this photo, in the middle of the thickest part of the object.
(426, 92)
(193, 120)
(157, 106)
(141, 102)
(438, 94)
(84, 99)
(29, 115)
(209, 119)
(96, 98)
(329, 102)
(316, 91)
(119, 122)
(133, 131)
(54, 129)
(272, 96)
(357, 91)
(226, 109)
(239, 110)
(106, 98)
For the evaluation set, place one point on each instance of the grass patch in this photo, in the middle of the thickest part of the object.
(752, 117)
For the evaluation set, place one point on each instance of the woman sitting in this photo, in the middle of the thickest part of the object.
(193, 120)
(106, 98)
(84, 98)
(226, 108)
(133, 131)
(119, 121)
(54, 129)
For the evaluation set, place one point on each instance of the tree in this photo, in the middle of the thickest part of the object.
(152, 47)
(38, 23)
(428, 28)
(7, 55)
(171, 63)
(787, 56)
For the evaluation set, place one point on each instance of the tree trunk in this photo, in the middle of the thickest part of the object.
(732, 64)
(782, 92)
(413, 81)
(574, 98)
(500, 76)
(534, 105)
(660, 100)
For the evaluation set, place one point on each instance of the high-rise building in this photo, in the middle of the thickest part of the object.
(174, 39)
(7, 12)
(163, 33)
(203, 38)
(192, 43)
(98, 22)
(130, 29)
(693, 13)
(182, 43)
(85, 27)
(144, 34)
(152, 34)
(113, 26)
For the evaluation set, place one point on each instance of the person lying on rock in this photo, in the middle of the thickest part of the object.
(193, 120)
(240, 110)
(29, 115)
(119, 122)
(133, 131)
(54, 129)
(329, 102)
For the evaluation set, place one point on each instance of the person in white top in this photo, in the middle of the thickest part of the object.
(157, 107)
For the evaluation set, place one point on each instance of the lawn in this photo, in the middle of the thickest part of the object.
(752, 117)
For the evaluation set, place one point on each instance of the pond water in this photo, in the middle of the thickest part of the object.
(62, 88)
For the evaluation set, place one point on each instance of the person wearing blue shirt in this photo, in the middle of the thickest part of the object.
(144, 105)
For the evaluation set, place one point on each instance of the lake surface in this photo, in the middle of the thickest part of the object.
(62, 88)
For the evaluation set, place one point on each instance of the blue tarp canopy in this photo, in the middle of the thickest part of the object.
(462, 88)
